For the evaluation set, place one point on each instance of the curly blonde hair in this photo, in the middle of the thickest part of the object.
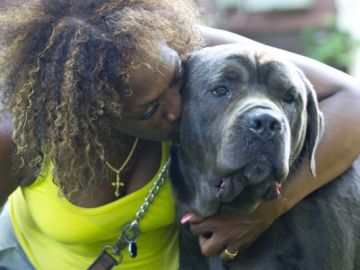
(63, 63)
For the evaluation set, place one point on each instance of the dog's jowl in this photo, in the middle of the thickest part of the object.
(249, 120)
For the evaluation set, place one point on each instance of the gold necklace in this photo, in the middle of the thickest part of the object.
(117, 184)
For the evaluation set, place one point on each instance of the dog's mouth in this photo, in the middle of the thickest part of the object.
(260, 179)
(223, 189)
(229, 187)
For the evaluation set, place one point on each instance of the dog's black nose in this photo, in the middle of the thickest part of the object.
(263, 123)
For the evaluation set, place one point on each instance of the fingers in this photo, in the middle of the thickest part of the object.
(200, 228)
(231, 231)
(210, 245)
(211, 240)
(197, 224)
(215, 245)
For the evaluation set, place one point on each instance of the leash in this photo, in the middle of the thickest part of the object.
(111, 256)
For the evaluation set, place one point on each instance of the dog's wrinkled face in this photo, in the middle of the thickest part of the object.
(245, 120)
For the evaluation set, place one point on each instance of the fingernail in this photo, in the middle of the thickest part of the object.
(186, 218)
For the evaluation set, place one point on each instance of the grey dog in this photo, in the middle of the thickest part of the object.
(248, 120)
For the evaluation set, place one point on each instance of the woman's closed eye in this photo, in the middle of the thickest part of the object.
(150, 111)
(153, 106)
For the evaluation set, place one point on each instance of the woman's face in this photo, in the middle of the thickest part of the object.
(153, 111)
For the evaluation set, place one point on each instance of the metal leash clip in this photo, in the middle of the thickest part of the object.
(108, 258)
(129, 235)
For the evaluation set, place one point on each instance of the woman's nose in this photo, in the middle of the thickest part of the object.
(172, 110)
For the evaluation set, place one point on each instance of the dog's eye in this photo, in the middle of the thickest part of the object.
(220, 91)
(290, 95)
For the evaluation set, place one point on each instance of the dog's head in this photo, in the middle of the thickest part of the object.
(246, 118)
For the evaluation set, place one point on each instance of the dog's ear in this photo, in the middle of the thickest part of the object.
(315, 124)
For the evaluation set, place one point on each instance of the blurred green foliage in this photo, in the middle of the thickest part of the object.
(330, 45)
(264, 5)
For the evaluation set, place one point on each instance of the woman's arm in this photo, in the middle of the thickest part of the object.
(10, 179)
(7, 185)
(325, 79)
(340, 146)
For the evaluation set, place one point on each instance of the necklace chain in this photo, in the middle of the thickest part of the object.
(118, 183)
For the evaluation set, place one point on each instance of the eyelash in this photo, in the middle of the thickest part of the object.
(150, 111)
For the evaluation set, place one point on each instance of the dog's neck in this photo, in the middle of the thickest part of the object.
(181, 188)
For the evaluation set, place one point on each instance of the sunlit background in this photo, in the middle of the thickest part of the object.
(327, 30)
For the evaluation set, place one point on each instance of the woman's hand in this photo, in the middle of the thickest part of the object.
(232, 230)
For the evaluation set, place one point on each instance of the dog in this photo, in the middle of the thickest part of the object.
(248, 120)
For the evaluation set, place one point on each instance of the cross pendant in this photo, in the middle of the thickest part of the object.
(117, 184)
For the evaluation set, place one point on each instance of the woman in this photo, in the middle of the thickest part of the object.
(92, 88)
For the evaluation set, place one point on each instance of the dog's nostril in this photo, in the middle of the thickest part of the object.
(257, 125)
(263, 124)
(275, 125)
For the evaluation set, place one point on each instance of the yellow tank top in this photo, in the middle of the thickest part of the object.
(56, 234)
